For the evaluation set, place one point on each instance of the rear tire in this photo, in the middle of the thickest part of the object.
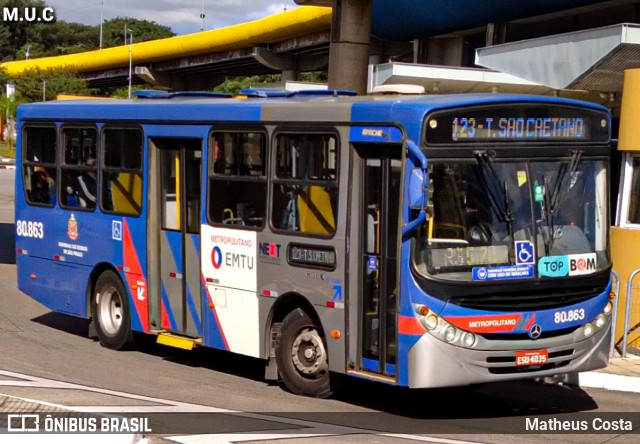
(301, 355)
(111, 312)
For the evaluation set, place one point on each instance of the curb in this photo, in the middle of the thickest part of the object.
(7, 163)
(609, 381)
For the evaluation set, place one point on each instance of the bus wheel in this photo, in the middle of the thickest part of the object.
(111, 313)
(302, 356)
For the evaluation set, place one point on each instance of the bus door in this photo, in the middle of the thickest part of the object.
(175, 251)
(379, 190)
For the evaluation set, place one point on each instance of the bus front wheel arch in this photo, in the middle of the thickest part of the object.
(111, 312)
(301, 355)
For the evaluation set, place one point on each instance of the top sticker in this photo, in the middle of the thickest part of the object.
(569, 265)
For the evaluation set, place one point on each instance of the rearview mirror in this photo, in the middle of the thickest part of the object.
(417, 195)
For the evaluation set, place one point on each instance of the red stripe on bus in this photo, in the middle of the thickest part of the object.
(410, 325)
(531, 321)
(486, 323)
(164, 321)
(134, 274)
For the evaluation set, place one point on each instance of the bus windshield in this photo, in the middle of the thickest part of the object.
(491, 215)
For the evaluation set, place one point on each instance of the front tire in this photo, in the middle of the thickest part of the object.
(111, 312)
(301, 355)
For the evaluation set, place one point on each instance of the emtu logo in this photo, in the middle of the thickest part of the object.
(216, 257)
(28, 14)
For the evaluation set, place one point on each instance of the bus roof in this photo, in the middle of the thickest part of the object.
(185, 108)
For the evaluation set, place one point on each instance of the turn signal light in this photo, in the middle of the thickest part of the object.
(335, 334)
(612, 295)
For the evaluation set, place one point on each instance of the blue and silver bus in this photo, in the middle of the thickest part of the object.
(419, 241)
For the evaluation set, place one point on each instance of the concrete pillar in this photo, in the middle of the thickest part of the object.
(350, 38)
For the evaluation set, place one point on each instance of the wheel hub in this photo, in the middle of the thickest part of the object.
(308, 354)
(111, 311)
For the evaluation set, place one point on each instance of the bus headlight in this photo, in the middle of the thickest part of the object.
(608, 308)
(469, 339)
(600, 321)
(588, 329)
(431, 322)
(450, 333)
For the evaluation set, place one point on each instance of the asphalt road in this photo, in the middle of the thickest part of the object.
(7, 240)
(51, 347)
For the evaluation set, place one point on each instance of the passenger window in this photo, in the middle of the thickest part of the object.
(79, 186)
(237, 181)
(122, 171)
(39, 165)
(305, 191)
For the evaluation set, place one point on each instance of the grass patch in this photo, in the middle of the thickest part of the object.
(6, 150)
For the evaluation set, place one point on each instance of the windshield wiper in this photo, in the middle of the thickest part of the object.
(497, 191)
(553, 201)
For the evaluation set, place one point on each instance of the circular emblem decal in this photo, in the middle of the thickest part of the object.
(216, 257)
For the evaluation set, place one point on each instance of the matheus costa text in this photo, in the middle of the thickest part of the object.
(595, 424)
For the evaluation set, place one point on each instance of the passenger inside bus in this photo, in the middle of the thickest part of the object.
(42, 188)
(86, 185)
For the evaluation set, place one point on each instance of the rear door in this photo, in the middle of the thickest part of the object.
(178, 184)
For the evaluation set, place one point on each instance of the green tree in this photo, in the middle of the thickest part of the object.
(59, 37)
(314, 77)
(63, 38)
(14, 34)
(34, 83)
(234, 84)
(142, 30)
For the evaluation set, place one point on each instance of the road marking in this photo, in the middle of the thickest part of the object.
(300, 429)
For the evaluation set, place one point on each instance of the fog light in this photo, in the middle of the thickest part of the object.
(608, 308)
(469, 339)
(432, 322)
(450, 333)
(588, 329)
(600, 320)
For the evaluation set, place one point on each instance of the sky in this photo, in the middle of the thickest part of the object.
(182, 16)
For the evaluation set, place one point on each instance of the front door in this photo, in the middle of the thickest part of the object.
(178, 182)
(380, 185)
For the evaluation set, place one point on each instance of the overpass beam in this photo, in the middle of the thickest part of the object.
(287, 64)
(350, 39)
(153, 77)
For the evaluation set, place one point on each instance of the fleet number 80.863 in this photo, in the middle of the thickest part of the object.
(29, 229)
(568, 316)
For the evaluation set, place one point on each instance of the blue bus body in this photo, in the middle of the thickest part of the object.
(437, 296)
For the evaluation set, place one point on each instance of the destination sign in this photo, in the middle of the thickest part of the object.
(517, 124)
(307, 255)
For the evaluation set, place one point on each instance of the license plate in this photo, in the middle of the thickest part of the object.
(532, 357)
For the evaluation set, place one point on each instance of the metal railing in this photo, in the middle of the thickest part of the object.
(627, 314)
(614, 312)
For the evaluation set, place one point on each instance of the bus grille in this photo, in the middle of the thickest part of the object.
(525, 336)
(527, 300)
(510, 368)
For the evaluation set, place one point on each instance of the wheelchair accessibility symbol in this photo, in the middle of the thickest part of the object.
(525, 253)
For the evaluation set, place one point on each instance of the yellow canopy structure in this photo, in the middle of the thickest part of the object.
(289, 24)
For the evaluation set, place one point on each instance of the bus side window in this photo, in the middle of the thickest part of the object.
(305, 193)
(237, 180)
(121, 167)
(39, 165)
